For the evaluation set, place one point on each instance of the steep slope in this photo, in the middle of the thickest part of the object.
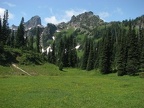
(33, 22)
(84, 20)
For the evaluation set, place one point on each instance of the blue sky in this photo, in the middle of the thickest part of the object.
(56, 11)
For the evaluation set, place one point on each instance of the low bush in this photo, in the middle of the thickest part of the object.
(32, 58)
(141, 75)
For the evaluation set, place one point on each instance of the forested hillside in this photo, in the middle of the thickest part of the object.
(108, 47)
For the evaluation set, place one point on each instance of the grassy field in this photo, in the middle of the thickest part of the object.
(72, 88)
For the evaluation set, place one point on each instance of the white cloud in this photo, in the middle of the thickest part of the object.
(55, 19)
(118, 11)
(11, 16)
(9, 4)
(70, 13)
(104, 15)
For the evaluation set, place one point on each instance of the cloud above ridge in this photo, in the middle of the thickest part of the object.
(63, 17)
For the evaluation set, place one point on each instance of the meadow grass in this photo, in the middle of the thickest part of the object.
(71, 88)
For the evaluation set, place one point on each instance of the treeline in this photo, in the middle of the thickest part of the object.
(120, 49)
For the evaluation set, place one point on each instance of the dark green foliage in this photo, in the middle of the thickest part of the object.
(141, 75)
(132, 58)
(97, 54)
(61, 66)
(86, 54)
(52, 55)
(67, 53)
(105, 63)
(90, 62)
(122, 55)
(20, 42)
(31, 41)
(38, 40)
(4, 27)
(29, 58)
(8, 56)
(141, 46)
(13, 38)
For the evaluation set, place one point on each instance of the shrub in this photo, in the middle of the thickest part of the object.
(32, 58)
(141, 75)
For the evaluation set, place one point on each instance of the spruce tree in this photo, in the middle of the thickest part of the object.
(86, 54)
(20, 42)
(105, 63)
(53, 56)
(5, 32)
(31, 41)
(13, 38)
(141, 31)
(132, 60)
(90, 62)
(38, 39)
(0, 31)
(122, 54)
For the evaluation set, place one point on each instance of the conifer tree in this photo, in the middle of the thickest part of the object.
(141, 47)
(97, 54)
(20, 42)
(86, 54)
(53, 56)
(12, 38)
(105, 63)
(0, 31)
(31, 41)
(90, 62)
(132, 59)
(38, 40)
(122, 54)
(60, 50)
(5, 32)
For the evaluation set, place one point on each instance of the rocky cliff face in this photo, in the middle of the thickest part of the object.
(33, 22)
(84, 20)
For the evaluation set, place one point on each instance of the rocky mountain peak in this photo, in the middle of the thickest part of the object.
(33, 22)
(86, 19)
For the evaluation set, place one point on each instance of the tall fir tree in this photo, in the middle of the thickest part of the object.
(12, 38)
(5, 32)
(0, 31)
(122, 54)
(86, 54)
(53, 55)
(38, 39)
(31, 41)
(105, 63)
(90, 62)
(132, 58)
(20, 41)
(141, 42)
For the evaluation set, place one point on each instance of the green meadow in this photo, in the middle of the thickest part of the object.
(72, 88)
